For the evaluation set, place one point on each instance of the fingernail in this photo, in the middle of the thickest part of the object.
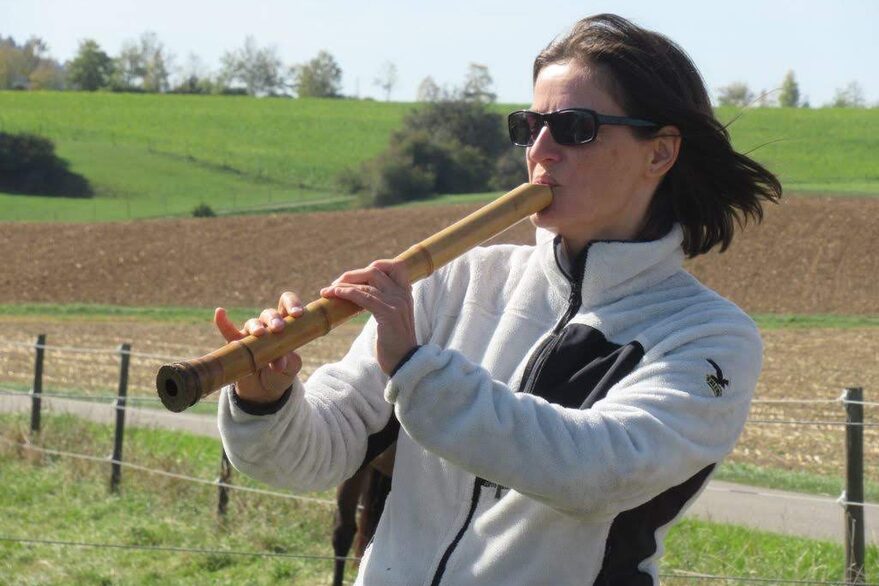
(297, 310)
(277, 322)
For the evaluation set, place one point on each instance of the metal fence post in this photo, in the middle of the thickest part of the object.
(116, 464)
(37, 389)
(854, 489)
(222, 490)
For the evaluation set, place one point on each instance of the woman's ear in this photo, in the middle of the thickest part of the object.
(664, 152)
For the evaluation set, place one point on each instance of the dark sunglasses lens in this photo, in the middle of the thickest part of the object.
(569, 128)
(523, 127)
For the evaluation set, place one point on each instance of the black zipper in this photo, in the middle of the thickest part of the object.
(474, 501)
(575, 300)
(535, 364)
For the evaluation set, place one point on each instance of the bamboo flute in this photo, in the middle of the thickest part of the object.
(182, 384)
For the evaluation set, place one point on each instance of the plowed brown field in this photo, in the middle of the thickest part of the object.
(810, 255)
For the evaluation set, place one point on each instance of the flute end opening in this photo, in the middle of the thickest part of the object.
(178, 386)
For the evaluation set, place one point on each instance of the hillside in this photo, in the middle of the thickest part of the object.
(811, 255)
(161, 155)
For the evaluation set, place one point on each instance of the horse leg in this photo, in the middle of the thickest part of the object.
(373, 500)
(345, 525)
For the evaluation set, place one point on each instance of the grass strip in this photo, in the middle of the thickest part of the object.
(791, 480)
(77, 311)
(777, 321)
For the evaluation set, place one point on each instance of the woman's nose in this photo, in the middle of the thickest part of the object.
(545, 148)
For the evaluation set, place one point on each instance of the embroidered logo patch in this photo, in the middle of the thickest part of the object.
(716, 382)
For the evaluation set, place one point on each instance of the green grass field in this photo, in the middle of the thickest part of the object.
(62, 499)
(78, 311)
(161, 155)
(152, 156)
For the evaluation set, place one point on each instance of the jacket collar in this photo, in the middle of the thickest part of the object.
(611, 269)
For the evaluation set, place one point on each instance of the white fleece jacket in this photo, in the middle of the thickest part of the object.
(563, 474)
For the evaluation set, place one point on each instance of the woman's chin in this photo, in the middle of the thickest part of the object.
(544, 219)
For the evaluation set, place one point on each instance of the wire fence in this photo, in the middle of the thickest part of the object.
(263, 554)
(155, 400)
(120, 405)
(168, 548)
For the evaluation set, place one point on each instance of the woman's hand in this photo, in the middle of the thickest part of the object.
(269, 383)
(383, 289)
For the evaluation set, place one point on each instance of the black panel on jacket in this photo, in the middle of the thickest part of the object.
(577, 372)
(582, 367)
(380, 441)
(632, 536)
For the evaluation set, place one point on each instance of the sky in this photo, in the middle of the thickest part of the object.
(827, 43)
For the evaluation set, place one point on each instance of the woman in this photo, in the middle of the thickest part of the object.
(560, 405)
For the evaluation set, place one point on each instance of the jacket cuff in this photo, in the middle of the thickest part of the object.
(255, 408)
(425, 360)
(404, 360)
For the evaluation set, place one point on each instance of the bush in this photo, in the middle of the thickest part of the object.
(203, 210)
(352, 180)
(399, 181)
(468, 123)
(444, 147)
(29, 166)
(510, 170)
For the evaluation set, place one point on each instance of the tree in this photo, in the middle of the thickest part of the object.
(28, 66)
(49, 75)
(128, 68)
(259, 70)
(143, 64)
(851, 96)
(157, 62)
(319, 78)
(428, 91)
(12, 67)
(193, 77)
(387, 79)
(477, 85)
(91, 68)
(790, 92)
(735, 94)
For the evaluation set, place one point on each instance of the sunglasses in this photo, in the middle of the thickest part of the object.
(568, 127)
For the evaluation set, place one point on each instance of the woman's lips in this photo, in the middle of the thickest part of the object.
(545, 181)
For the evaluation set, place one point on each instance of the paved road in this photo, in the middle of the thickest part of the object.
(722, 502)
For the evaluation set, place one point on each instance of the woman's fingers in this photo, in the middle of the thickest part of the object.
(254, 327)
(290, 304)
(381, 274)
(395, 271)
(287, 365)
(369, 298)
(269, 383)
(225, 326)
(272, 320)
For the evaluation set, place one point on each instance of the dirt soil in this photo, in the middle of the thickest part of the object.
(811, 255)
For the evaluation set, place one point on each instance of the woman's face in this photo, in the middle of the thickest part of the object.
(601, 189)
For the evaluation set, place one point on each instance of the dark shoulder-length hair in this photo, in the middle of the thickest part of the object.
(711, 187)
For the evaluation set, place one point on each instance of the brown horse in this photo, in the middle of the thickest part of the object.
(366, 491)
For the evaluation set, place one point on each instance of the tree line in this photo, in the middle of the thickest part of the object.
(788, 95)
(146, 65)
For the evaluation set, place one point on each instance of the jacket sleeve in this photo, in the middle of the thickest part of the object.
(319, 437)
(656, 428)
